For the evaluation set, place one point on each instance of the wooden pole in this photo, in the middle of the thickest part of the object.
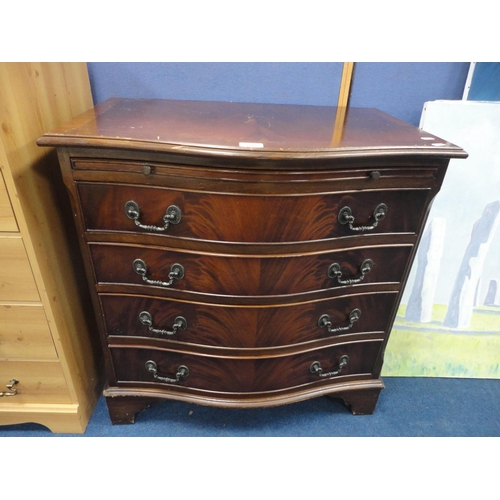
(343, 101)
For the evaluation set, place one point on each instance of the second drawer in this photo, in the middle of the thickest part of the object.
(247, 275)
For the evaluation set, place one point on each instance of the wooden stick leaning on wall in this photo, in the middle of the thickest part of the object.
(343, 101)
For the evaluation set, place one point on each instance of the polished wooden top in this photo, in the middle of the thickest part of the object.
(244, 129)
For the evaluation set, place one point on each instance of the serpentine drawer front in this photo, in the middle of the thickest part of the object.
(249, 218)
(236, 374)
(247, 275)
(236, 255)
(265, 326)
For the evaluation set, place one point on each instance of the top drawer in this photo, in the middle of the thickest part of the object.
(249, 218)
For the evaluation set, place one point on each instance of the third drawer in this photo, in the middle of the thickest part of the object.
(237, 326)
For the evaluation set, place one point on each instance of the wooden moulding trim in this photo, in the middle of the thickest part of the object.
(93, 165)
(92, 142)
(58, 418)
(251, 401)
(70, 408)
(264, 250)
(254, 249)
(367, 291)
(240, 300)
(169, 346)
(247, 249)
(233, 185)
(253, 165)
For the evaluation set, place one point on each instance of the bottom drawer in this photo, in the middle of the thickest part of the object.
(242, 375)
(39, 382)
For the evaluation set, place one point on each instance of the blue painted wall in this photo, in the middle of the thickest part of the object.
(400, 89)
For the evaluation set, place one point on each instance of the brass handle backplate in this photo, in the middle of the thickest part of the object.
(345, 217)
(324, 321)
(176, 273)
(12, 390)
(316, 367)
(335, 272)
(172, 215)
(146, 319)
(182, 372)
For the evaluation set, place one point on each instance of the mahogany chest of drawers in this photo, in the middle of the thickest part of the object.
(237, 254)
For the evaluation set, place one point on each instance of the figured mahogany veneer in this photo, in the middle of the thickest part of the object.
(249, 218)
(238, 374)
(274, 224)
(265, 326)
(248, 276)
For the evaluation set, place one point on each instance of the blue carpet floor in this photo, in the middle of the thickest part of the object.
(408, 407)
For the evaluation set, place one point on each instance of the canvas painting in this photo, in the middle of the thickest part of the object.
(483, 82)
(448, 323)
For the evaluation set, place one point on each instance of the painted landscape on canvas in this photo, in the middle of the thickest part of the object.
(448, 323)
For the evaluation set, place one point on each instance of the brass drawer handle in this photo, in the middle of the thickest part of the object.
(324, 320)
(12, 389)
(176, 273)
(146, 319)
(345, 217)
(335, 272)
(316, 367)
(172, 215)
(182, 372)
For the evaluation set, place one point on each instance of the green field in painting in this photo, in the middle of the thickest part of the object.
(432, 350)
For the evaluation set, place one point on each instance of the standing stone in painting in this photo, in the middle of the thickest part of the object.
(421, 301)
(461, 305)
(491, 298)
